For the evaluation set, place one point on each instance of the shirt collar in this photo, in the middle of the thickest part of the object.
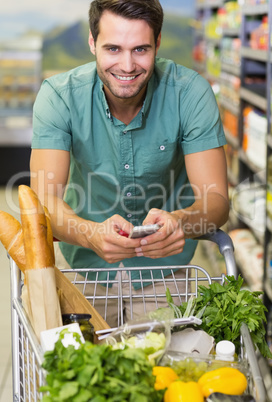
(146, 103)
(149, 94)
(104, 100)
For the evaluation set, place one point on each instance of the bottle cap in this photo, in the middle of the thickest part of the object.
(225, 350)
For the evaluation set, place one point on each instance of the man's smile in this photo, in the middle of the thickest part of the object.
(125, 78)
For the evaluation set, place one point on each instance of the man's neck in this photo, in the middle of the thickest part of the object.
(125, 110)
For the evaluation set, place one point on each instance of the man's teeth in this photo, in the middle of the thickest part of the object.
(125, 78)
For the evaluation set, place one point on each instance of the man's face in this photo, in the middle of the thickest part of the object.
(125, 55)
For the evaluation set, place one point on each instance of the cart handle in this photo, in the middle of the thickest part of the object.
(226, 248)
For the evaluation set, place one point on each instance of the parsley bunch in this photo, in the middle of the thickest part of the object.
(223, 309)
(98, 373)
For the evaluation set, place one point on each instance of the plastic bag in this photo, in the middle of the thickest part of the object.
(152, 333)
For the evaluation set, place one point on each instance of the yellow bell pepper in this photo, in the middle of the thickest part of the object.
(179, 391)
(164, 377)
(227, 380)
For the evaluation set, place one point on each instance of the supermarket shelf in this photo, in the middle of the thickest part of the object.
(210, 4)
(231, 68)
(213, 41)
(256, 94)
(210, 77)
(256, 54)
(260, 174)
(252, 97)
(257, 9)
(231, 31)
(233, 141)
(225, 103)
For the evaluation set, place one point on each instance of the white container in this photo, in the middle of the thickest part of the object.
(191, 341)
(225, 350)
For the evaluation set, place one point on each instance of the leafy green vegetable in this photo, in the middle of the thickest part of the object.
(223, 309)
(152, 343)
(97, 373)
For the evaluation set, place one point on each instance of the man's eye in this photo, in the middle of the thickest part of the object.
(113, 49)
(139, 50)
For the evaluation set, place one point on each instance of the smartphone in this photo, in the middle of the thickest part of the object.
(142, 231)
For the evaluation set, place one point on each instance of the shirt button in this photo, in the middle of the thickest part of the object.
(128, 194)
(124, 132)
(129, 215)
(162, 147)
(126, 166)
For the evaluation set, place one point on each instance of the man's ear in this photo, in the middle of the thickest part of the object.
(91, 43)
(158, 43)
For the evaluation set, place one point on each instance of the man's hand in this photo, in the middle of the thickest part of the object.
(169, 240)
(106, 241)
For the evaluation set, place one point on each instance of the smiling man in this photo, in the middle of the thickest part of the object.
(128, 139)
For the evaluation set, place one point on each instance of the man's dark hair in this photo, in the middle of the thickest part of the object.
(148, 10)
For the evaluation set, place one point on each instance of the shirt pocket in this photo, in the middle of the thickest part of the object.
(160, 159)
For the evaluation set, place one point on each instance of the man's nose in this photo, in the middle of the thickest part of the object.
(127, 63)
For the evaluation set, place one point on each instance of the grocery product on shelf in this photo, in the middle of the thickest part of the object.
(213, 28)
(255, 133)
(259, 37)
(254, 2)
(269, 187)
(230, 122)
(230, 50)
(269, 265)
(249, 257)
(229, 88)
(213, 62)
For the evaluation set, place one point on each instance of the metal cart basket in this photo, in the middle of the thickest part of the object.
(27, 355)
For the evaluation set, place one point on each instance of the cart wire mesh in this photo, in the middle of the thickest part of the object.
(124, 297)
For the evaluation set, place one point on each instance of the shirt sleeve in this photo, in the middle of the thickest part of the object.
(201, 123)
(51, 120)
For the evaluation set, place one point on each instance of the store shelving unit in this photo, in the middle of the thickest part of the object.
(20, 79)
(253, 91)
(257, 61)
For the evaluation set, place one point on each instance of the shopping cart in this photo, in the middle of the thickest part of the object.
(27, 355)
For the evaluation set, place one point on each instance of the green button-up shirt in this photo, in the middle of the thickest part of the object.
(127, 169)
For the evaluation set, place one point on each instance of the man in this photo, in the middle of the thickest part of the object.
(138, 139)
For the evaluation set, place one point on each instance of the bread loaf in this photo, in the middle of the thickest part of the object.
(11, 236)
(34, 225)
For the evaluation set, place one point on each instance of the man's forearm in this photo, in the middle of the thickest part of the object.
(204, 216)
(66, 225)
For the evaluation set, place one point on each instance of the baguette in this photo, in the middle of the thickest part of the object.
(11, 236)
(38, 253)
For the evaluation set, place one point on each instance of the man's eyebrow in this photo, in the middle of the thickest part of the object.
(109, 45)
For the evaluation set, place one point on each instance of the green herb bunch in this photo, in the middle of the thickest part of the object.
(97, 373)
(223, 309)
